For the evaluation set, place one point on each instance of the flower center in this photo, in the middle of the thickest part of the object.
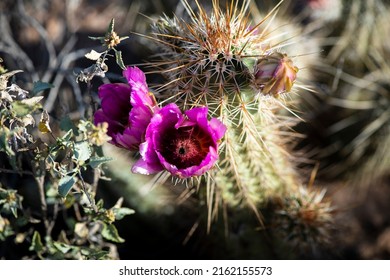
(185, 147)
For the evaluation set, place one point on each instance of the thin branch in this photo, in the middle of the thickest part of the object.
(52, 59)
(11, 47)
(40, 180)
(19, 172)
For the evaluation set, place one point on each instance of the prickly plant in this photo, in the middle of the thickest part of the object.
(361, 130)
(304, 219)
(222, 60)
(353, 123)
(361, 30)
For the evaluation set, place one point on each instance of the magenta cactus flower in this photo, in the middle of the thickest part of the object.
(186, 144)
(127, 108)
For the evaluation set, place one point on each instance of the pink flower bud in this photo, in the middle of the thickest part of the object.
(275, 74)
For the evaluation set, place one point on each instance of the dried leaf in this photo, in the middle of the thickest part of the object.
(4, 78)
(82, 151)
(93, 55)
(32, 101)
(28, 120)
(44, 125)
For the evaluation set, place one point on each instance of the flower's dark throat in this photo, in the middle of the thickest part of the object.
(186, 146)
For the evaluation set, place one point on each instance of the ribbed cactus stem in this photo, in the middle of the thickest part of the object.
(221, 61)
(254, 165)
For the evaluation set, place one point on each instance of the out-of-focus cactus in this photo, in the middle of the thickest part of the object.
(359, 135)
(351, 121)
(305, 219)
(362, 29)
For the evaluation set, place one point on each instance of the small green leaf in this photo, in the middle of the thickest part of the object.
(82, 151)
(101, 39)
(120, 213)
(99, 255)
(62, 247)
(4, 144)
(39, 86)
(110, 233)
(110, 28)
(100, 204)
(119, 60)
(95, 162)
(36, 243)
(65, 184)
(66, 124)
(14, 211)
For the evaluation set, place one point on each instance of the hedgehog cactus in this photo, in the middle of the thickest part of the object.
(221, 60)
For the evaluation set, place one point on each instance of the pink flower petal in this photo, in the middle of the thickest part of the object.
(127, 109)
(184, 144)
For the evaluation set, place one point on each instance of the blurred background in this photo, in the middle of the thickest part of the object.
(343, 57)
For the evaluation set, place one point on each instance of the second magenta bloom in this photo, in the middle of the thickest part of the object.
(127, 108)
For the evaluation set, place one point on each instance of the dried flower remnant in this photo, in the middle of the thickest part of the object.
(86, 75)
(111, 38)
(186, 144)
(275, 74)
(44, 123)
(97, 134)
(127, 108)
